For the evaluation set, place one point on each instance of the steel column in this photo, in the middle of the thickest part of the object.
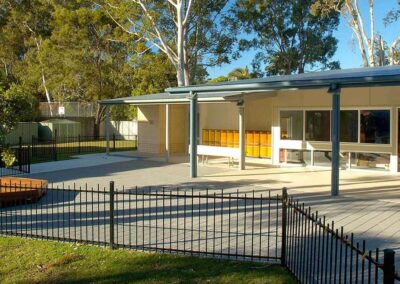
(335, 134)
(107, 129)
(167, 132)
(193, 134)
(242, 147)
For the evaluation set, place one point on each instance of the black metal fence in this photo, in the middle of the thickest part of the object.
(210, 223)
(63, 147)
(317, 252)
(21, 165)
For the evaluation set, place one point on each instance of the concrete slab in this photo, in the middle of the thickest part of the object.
(369, 204)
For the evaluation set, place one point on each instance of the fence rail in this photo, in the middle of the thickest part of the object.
(209, 223)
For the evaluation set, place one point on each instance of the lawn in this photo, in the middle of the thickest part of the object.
(35, 261)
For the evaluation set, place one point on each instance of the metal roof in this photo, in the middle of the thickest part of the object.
(235, 90)
(360, 77)
(174, 99)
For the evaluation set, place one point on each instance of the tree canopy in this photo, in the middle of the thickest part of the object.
(72, 51)
(191, 33)
(16, 105)
(288, 37)
(375, 51)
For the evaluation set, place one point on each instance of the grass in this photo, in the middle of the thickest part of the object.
(34, 261)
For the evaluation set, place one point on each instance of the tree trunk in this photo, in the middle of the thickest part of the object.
(97, 122)
(47, 94)
(180, 72)
(392, 51)
(381, 51)
(355, 26)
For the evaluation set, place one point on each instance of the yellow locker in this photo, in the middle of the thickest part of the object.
(211, 137)
(249, 143)
(236, 139)
(224, 138)
(204, 137)
(217, 138)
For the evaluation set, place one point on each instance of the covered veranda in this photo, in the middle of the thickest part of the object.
(330, 83)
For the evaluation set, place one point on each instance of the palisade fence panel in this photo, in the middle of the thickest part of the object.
(317, 252)
(59, 147)
(206, 223)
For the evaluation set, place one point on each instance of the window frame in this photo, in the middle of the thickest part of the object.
(330, 126)
(390, 125)
(358, 109)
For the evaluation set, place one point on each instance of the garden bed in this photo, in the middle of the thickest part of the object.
(21, 190)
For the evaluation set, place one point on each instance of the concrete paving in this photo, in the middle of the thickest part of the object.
(369, 204)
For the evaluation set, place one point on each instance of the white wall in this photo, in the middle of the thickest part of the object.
(126, 129)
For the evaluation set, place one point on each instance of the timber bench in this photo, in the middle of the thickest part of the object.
(205, 151)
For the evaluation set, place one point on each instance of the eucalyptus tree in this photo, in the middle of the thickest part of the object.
(189, 32)
(24, 26)
(288, 37)
(393, 16)
(370, 43)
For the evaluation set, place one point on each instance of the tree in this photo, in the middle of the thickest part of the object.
(16, 105)
(240, 74)
(234, 75)
(85, 58)
(151, 73)
(370, 44)
(394, 50)
(290, 38)
(186, 31)
(218, 79)
(25, 26)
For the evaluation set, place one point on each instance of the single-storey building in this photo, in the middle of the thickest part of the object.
(346, 119)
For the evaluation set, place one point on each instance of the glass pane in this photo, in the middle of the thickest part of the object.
(324, 159)
(295, 156)
(318, 125)
(292, 125)
(370, 161)
(375, 126)
(349, 126)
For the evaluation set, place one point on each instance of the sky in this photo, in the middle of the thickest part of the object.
(347, 52)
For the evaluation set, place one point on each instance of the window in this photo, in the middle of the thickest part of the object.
(324, 159)
(295, 156)
(375, 126)
(370, 161)
(318, 125)
(291, 125)
(349, 126)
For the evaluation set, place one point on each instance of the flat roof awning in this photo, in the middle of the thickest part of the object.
(182, 98)
(347, 78)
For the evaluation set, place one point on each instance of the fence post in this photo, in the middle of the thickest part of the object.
(29, 159)
(55, 146)
(111, 215)
(284, 225)
(114, 142)
(79, 143)
(32, 144)
(20, 154)
(388, 266)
